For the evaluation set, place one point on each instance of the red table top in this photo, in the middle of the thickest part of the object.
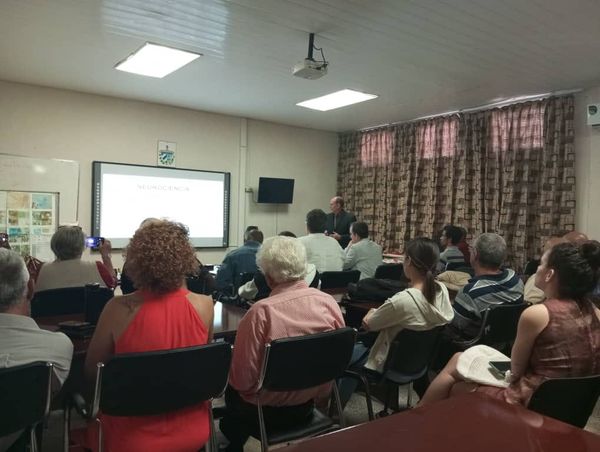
(467, 423)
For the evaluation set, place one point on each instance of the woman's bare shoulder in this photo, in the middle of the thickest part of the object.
(124, 304)
(200, 301)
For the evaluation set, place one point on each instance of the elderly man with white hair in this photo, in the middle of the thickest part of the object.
(292, 309)
(21, 340)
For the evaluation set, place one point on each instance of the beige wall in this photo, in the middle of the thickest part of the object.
(587, 149)
(51, 123)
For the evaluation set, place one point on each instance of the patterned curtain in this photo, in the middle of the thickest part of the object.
(509, 170)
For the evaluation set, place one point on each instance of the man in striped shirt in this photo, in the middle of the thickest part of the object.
(491, 285)
(452, 257)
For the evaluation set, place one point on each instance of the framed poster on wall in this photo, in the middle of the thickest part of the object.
(29, 219)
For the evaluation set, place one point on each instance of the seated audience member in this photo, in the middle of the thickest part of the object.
(257, 288)
(451, 257)
(463, 246)
(362, 253)
(200, 277)
(293, 309)
(161, 315)
(240, 260)
(337, 223)
(531, 293)
(491, 285)
(321, 251)
(557, 338)
(68, 270)
(21, 340)
(575, 237)
(424, 305)
(126, 282)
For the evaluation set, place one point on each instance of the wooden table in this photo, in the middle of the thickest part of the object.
(468, 423)
(225, 323)
(355, 311)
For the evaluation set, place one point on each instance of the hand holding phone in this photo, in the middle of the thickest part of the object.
(94, 242)
(500, 367)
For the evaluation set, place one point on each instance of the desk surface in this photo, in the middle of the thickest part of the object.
(469, 423)
(225, 324)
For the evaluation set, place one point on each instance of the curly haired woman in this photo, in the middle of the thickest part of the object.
(161, 315)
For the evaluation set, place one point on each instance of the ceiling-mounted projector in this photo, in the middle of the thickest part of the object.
(309, 68)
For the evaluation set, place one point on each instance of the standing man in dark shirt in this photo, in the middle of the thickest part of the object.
(339, 221)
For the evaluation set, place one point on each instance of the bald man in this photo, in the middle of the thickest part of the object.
(575, 237)
(531, 293)
(339, 221)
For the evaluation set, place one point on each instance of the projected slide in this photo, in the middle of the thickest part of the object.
(125, 195)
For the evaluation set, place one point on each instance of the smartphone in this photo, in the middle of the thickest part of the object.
(3, 238)
(500, 367)
(94, 242)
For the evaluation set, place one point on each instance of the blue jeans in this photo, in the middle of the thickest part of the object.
(347, 385)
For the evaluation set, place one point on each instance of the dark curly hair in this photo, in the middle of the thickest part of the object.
(159, 257)
(577, 268)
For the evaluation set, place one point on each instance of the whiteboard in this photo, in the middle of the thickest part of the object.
(18, 173)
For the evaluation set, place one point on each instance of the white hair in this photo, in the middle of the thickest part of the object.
(13, 279)
(283, 259)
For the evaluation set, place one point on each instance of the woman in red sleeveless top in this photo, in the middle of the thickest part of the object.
(161, 315)
(555, 339)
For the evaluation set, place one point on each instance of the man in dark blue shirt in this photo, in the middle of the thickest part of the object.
(239, 261)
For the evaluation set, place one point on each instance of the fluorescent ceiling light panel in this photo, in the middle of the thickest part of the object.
(156, 61)
(336, 100)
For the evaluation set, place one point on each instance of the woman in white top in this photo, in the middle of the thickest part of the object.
(423, 306)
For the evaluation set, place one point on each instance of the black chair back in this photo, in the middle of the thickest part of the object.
(54, 302)
(95, 298)
(316, 280)
(411, 351)
(500, 323)
(389, 271)
(570, 400)
(302, 362)
(338, 280)
(24, 396)
(71, 300)
(139, 384)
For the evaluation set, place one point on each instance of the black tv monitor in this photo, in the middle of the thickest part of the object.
(125, 195)
(273, 190)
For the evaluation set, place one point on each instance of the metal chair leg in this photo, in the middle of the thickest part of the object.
(264, 446)
(368, 397)
(338, 404)
(100, 439)
(32, 440)
(66, 426)
(212, 440)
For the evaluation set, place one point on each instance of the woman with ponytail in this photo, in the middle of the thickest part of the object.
(555, 339)
(423, 306)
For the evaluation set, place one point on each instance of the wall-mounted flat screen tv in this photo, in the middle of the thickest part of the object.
(273, 190)
(124, 195)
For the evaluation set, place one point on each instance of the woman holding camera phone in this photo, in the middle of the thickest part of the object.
(68, 270)
(555, 339)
